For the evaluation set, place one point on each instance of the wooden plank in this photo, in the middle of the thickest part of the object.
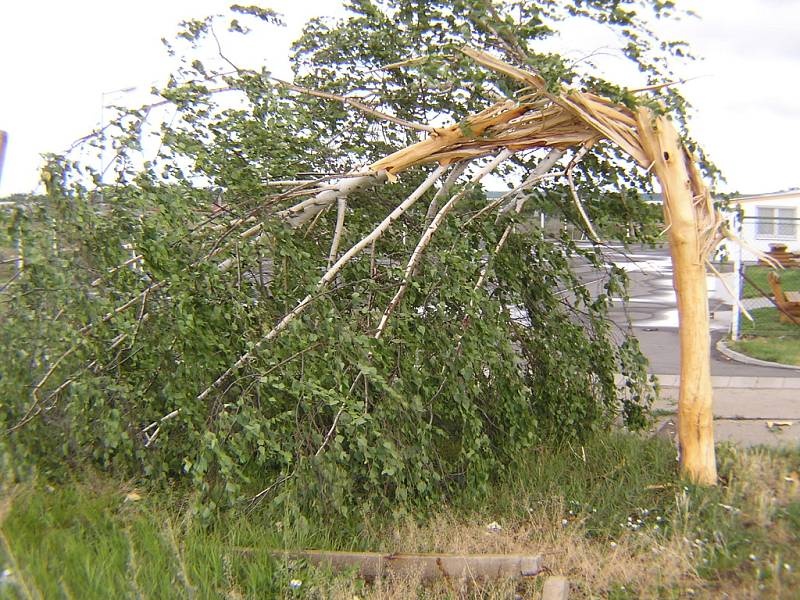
(374, 565)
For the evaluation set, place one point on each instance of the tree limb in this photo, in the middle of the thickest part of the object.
(428, 235)
(337, 233)
(328, 277)
(355, 104)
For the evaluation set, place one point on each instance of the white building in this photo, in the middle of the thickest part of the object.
(761, 220)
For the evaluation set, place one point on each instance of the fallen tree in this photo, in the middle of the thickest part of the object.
(243, 348)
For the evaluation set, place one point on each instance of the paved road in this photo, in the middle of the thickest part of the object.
(747, 398)
(653, 313)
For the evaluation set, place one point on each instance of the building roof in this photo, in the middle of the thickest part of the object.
(792, 194)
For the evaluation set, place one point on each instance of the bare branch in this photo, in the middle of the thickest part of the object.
(509, 197)
(519, 203)
(433, 207)
(536, 175)
(328, 277)
(355, 104)
(337, 233)
(301, 213)
(578, 204)
(428, 235)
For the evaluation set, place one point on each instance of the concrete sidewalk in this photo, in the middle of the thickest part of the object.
(747, 410)
(746, 397)
(739, 382)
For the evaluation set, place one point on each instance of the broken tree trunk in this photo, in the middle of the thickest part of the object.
(686, 205)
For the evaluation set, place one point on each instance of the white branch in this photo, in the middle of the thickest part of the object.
(539, 173)
(433, 207)
(578, 204)
(581, 211)
(536, 175)
(302, 212)
(482, 277)
(519, 203)
(428, 235)
(337, 233)
(329, 276)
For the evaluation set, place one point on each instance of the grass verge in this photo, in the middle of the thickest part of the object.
(612, 515)
(769, 339)
(790, 281)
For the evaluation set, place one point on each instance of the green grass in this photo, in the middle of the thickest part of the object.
(767, 338)
(84, 540)
(790, 281)
(612, 514)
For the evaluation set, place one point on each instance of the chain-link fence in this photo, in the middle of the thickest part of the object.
(768, 307)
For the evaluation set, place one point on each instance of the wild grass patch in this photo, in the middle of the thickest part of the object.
(612, 515)
(767, 338)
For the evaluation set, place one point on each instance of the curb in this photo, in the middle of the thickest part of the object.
(743, 358)
(555, 588)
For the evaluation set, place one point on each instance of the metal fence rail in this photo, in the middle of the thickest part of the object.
(751, 287)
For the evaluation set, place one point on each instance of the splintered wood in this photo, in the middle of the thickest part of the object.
(567, 120)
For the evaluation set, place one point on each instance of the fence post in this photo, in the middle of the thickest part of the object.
(3, 144)
(736, 289)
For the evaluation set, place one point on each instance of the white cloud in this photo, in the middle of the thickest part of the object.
(60, 57)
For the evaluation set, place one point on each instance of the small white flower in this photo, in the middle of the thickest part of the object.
(564, 522)
(787, 567)
(295, 583)
(753, 557)
(494, 527)
(613, 544)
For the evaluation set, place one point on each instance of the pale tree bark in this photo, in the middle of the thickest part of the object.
(329, 276)
(416, 256)
(686, 213)
(337, 232)
(305, 211)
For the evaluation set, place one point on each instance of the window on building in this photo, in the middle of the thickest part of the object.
(776, 223)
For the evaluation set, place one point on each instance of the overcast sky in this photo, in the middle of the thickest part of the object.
(60, 61)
